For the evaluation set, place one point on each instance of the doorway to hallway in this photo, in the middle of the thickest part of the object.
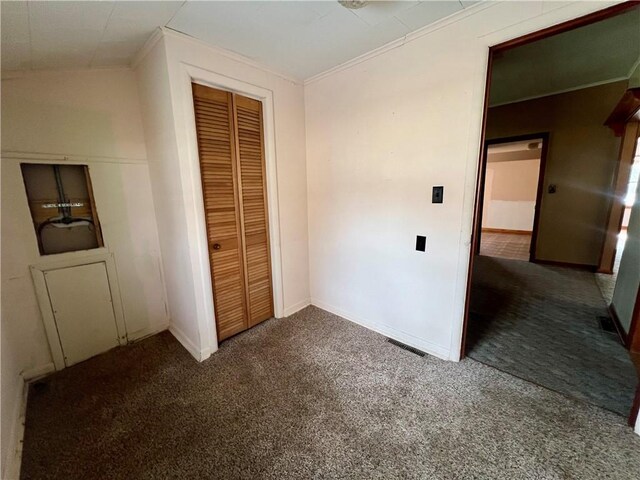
(512, 183)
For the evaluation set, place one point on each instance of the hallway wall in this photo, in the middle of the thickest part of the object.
(581, 160)
(510, 194)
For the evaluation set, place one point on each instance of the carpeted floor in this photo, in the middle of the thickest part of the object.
(311, 396)
(541, 323)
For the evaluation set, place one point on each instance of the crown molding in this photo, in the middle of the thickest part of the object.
(559, 92)
(146, 48)
(634, 67)
(168, 32)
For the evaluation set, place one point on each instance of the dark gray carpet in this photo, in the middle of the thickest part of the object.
(311, 396)
(541, 323)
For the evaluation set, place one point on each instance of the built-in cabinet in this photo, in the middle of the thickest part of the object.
(81, 307)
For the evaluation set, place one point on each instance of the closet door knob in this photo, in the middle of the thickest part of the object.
(216, 246)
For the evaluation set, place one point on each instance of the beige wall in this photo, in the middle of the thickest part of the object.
(510, 194)
(514, 181)
(581, 160)
(90, 117)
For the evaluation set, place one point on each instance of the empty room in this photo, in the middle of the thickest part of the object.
(320, 239)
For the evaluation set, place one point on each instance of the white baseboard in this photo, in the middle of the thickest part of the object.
(296, 307)
(147, 332)
(38, 372)
(196, 352)
(406, 338)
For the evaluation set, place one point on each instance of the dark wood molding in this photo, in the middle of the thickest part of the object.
(633, 339)
(566, 26)
(624, 111)
(633, 415)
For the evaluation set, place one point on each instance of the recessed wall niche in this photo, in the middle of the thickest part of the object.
(62, 207)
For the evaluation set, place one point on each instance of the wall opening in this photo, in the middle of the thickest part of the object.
(62, 207)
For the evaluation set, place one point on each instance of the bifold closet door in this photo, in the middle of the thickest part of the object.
(249, 127)
(217, 151)
(231, 148)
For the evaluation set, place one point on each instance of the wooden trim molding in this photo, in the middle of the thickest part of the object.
(624, 111)
(633, 339)
(568, 25)
(633, 415)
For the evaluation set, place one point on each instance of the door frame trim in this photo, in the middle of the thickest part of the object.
(191, 74)
(42, 294)
(539, 187)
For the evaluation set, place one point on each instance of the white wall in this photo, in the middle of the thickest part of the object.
(91, 117)
(510, 194)
(380, 133)
(164, 85)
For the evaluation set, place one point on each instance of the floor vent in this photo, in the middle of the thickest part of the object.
(406, 347)
(607, 324)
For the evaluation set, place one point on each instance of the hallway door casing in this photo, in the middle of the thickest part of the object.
(231, 152)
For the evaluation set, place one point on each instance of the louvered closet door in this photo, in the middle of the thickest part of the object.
(253, 200)
(218, 168)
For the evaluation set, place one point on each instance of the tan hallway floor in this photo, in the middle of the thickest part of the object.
(505, 245)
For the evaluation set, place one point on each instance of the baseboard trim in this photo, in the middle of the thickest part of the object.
(197, 353)
(406, 338)
(296, 307)
(147, 332)
(579, 266)
(38, 372)
(506, 230)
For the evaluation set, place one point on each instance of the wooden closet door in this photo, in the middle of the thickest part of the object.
(253, 206)
(218, 168)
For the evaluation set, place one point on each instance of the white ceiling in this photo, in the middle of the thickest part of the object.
(43, 35)
(298, 38)
(512, 151)
(306, 38)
